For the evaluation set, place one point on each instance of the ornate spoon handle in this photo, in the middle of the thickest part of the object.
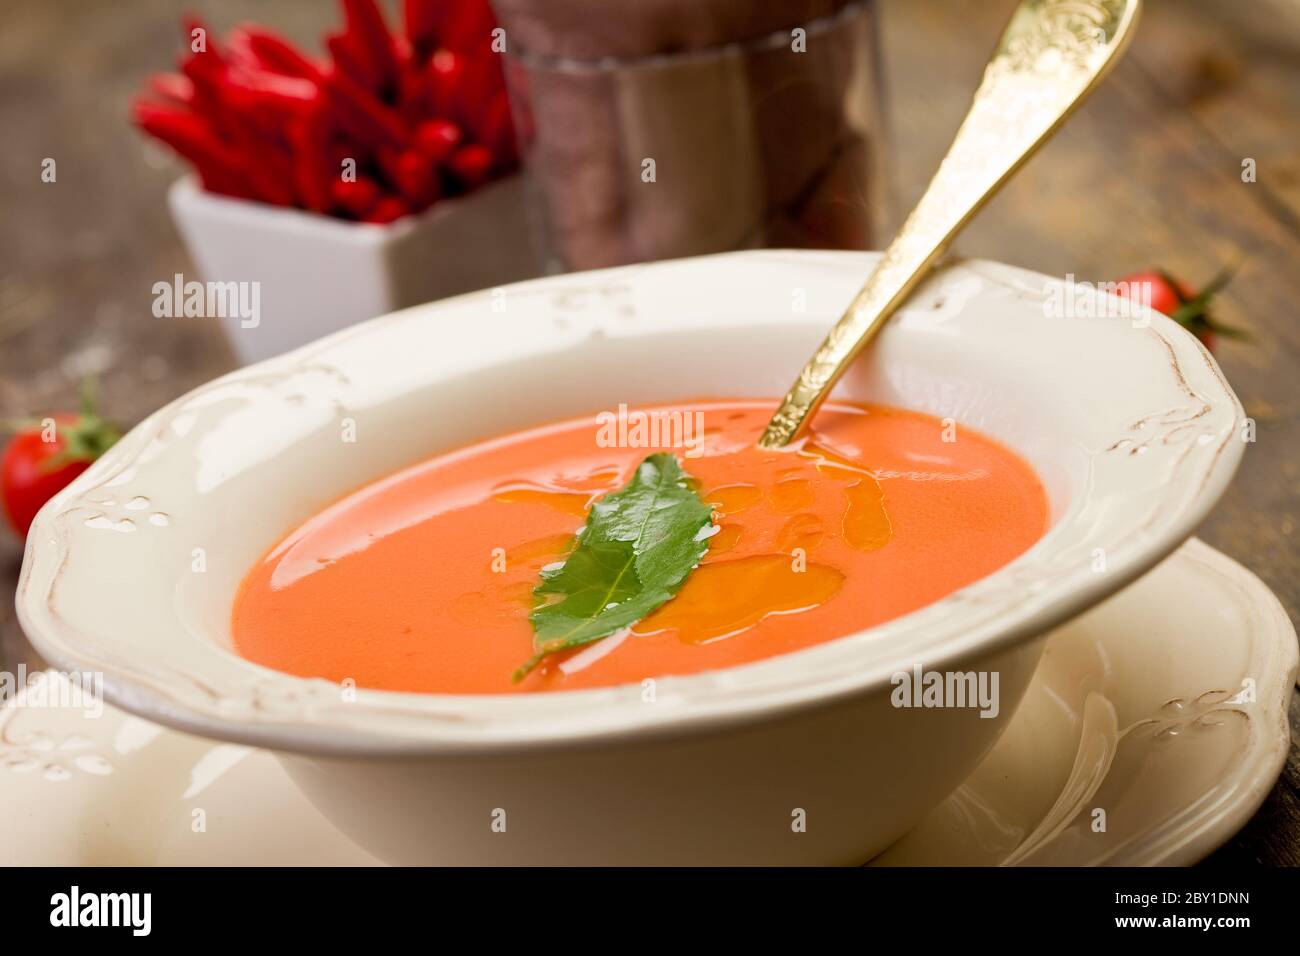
(1050, 57)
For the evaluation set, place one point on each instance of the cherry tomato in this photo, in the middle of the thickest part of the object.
(43, 456)
(1178, 300)
(1166, 294)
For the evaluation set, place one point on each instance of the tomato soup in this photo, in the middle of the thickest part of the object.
(423, 581)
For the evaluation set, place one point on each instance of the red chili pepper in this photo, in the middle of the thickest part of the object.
(173, 87)
(416, 176)
(358, 197)
(416, 113)
(351, 60)
(385, 159)
(387, 210)
(445, 71)
(471, 165)
(186, 133)
(239, 54)
(220, 167)
(309, 136)
(402, 48)
(271, 169)
(479, 79)
(497, 132)
(207, 72)
(271, 101)
(469, 27)
(205, 77)
(255, 133)
(361, 114)
(372, 41)
(265, 162)
(412, 93)
(278, 54)
(437, 138)
(424, 21)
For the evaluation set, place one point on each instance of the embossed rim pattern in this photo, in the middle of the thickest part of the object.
(1199, 825)
(1163, 461)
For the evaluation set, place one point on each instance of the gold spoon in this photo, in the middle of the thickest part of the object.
(1051, 56)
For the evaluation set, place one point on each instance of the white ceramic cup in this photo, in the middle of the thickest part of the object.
(315, 275)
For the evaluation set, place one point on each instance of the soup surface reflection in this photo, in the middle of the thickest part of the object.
(423, 581)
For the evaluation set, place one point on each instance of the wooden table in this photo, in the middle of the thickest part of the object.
(1148, 174)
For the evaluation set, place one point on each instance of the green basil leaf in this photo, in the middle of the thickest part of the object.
(634, 553)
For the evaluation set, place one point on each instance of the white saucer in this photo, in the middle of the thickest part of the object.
(1138, 712)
